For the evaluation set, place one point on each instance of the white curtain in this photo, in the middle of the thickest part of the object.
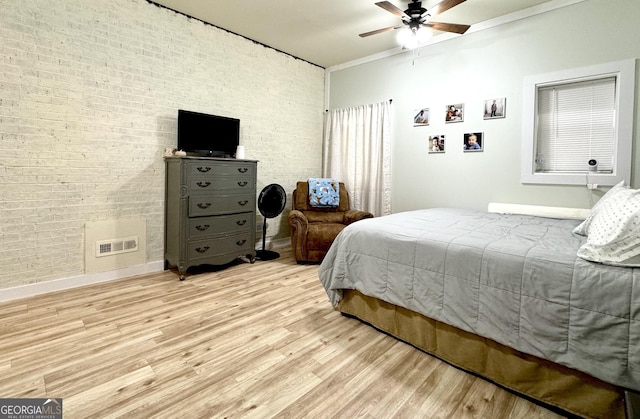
(357, 151)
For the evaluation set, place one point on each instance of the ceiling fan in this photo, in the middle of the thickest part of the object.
(417, 16)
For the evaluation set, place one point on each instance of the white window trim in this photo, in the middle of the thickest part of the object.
(625, 72)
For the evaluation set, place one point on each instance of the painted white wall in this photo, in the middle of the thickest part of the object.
(469, 69)
(89, 94)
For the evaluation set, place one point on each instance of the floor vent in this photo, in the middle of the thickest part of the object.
(116, 246)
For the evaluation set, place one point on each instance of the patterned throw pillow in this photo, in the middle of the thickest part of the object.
(324, 192)
(583, 228)
(614, 233)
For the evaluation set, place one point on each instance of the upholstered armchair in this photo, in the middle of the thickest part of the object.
(313, 229)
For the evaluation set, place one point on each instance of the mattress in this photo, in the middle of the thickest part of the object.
(514, 279)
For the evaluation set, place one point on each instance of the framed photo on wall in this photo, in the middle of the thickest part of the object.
(495, 108)
(436, 144)
(473, 141)
(454, 113)
(421, 118)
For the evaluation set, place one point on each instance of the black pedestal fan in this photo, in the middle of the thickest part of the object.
(271, 202)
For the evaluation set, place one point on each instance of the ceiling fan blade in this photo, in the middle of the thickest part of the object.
(444, 5)
(448, 27)
(377, 31)
(393, 9)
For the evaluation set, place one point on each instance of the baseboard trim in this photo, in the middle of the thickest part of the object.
(275, 243)
(31, 290)
(273, 248)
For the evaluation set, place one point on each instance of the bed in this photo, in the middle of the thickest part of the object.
(503, 296)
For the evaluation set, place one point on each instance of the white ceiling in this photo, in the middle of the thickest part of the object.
(325, 32)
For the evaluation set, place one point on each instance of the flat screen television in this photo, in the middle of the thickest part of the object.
(201, 134)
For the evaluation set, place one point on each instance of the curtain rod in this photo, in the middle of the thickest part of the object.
(390, 101)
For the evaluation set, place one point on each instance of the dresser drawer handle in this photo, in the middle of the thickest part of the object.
(204, 205)
(243, 203)
(241, 222)
(202, 228)
(241, 242)
(242, 183)
(203, 169)
(242, 169)
(202, 249)
(203, 184)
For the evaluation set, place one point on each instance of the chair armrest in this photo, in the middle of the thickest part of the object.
(299, 226)
(297, 219)
(351, 216)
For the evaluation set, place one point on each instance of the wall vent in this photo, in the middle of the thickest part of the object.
(116, 246)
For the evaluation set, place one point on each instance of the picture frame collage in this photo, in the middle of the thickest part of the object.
(494, 108)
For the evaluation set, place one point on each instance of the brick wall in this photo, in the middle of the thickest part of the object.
(89, 92)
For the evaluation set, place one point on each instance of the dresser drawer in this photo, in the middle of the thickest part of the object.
(237, 244)
(221, 204)
(199, 168)
(200, 227)
(198, 185)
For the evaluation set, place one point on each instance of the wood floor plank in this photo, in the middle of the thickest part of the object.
(249, 341)
(477, 402)
(87, 403)
(62, 351)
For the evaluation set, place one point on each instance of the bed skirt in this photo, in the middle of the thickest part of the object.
(545, 381)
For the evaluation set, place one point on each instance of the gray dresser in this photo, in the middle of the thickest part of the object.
(210, 211)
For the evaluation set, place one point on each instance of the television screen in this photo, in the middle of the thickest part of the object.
(207, 135)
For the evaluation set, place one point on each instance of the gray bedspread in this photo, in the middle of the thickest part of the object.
(511, 278)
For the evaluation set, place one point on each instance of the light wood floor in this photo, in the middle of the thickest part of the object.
(252, 341)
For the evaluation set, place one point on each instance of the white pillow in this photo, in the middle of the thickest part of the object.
(583, 228)
(614, 233)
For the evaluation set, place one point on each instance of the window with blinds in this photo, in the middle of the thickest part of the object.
(573, 116)
(576, 123)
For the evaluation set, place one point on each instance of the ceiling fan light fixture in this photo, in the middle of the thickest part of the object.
(404, 36)
(412, 38)
(423, 35)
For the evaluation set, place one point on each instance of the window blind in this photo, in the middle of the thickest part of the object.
(576, 122)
